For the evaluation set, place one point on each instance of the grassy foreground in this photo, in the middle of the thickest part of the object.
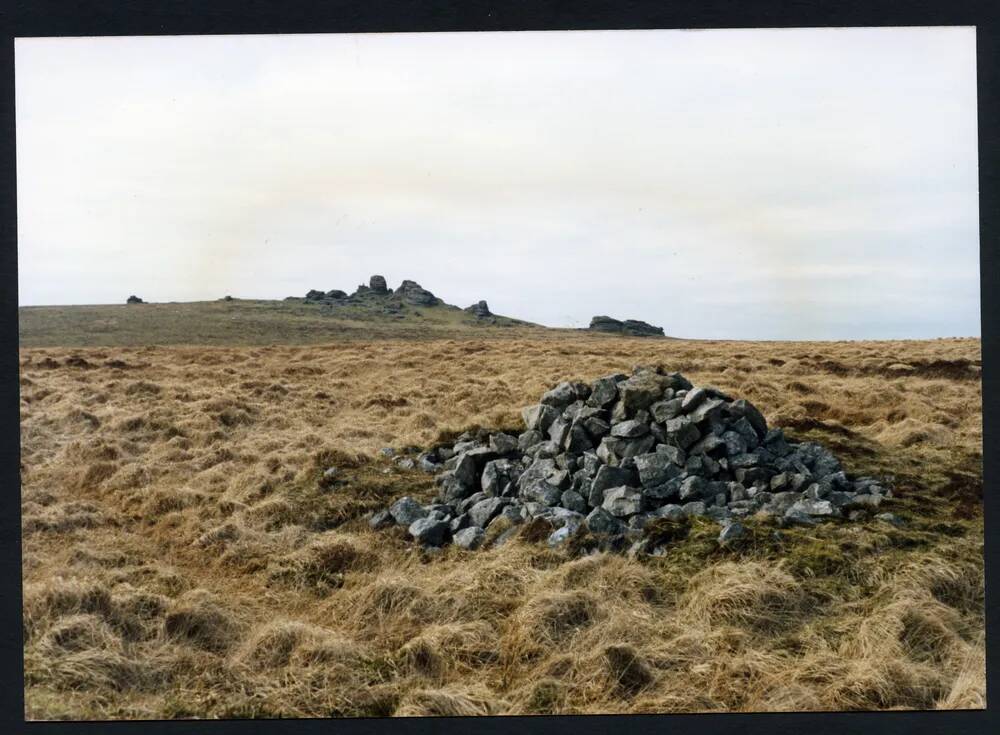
(181, 560)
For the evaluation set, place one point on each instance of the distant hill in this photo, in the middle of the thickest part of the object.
(246, 322)
(371, 312)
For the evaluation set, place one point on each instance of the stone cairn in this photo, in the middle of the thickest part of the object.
(613, 457)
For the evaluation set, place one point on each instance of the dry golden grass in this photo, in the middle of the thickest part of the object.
(181, 559)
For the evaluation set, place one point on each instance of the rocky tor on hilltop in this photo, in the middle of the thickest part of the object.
(377, 292)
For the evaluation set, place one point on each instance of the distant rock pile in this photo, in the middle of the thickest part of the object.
(412, 293)
(480, 310)
(629, 327)
(409, 292)
(612, 458)
(134, 300)
(333, 295)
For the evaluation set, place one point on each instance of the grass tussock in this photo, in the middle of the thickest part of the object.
(754, 595)
(198, 619)
(186, 553)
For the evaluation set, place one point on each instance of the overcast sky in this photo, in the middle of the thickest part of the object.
(811, 184)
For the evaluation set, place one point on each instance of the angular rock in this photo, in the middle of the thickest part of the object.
(635, 447)
(577, 440)
(813, 508)
(655, 468)
(816, 492)
(682, 432)
(692, 488)
(638, 392)
(596, 427)
(737, 492)
(496, 475)
(428, 465)
(572, 500)
(429, 531)
(528, 439)
(470, 538)
(406, 510)
(464, 505)
(744, 408)
(707, 411)
(485, 511)
(544, 450)
(563, 516)
(604, 391)
(734, 443)
(540, 417)
(692, 399)
(599, 521)
(798, 518)
(719, 514)
(695, 465)
(622, 501)
(503, 443)
(708, 444)
(561, 535)
(775, 441)
(840, 499)
(610, 449)
(747, 459)
(694, 508)
(540, 491)
(663, 411)
(674, 454)
(669, 490)
(560, 396)
(558, 431)
(671, 512)
(746, 431)
(559, 478)
(465, 469)
(629, 429)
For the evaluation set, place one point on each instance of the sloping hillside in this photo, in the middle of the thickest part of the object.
(248, 322)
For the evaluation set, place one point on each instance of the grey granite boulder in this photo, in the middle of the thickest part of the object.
(539, 417)
(630, 429)
(622, 501)
(470, 538)
(429, 531)
(406, 510)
